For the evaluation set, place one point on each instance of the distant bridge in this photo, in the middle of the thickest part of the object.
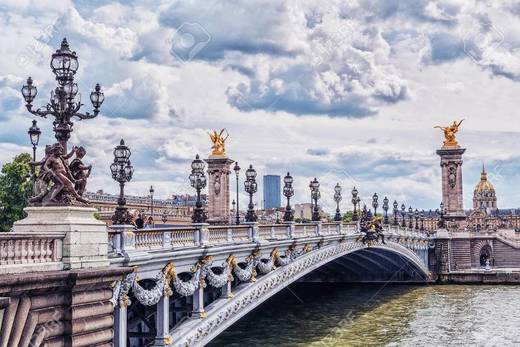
(192, 283)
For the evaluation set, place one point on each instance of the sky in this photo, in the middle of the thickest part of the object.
(345, 91)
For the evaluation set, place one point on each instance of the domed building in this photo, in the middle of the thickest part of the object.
(484, 195)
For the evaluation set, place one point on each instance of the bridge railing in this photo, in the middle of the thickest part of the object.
(26, 252)
(203, 235)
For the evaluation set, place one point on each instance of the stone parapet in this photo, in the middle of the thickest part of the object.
(85, 244)
(65, 308)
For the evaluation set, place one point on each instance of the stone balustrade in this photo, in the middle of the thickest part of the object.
(127, 238)
(20, 252)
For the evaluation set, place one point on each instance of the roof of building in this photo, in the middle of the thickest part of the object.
(484, 185)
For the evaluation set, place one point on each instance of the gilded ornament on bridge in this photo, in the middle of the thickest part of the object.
(219, 142)
(449, 134)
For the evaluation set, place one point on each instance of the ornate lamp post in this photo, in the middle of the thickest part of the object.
(337, 199)
(403, 214)
(355, 203)
(251, 188)
(385, 208)
(442, 213)
(416, 219)
(122, 172)
(151, 200)
(164, 217)
(315, 194)
(410, 217)
(288, 192)
(375, 203)
(237, 211)
(198, 181)
(64, 102)
(396, 209)
(34, 134)
(422, 220)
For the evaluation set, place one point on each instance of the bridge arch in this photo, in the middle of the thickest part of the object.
(221, 314)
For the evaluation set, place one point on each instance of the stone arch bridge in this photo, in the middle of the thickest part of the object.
(190, 284)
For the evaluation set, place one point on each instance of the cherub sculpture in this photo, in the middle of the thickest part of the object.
(56, 184)
(219, 141)
(449, 133)
(79, 171)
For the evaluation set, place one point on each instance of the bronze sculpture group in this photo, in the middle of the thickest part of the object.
(372, 227)
(59, 182)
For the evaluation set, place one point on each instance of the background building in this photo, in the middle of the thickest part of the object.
(178, 209)
(272, 191)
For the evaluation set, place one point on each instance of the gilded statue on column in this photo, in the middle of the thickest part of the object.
(219, 141)
(449, 134)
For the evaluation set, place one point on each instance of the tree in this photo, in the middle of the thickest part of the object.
(15, 190)
(347, 217)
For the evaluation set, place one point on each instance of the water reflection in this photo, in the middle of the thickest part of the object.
(347, 315)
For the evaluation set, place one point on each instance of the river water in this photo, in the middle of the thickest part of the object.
(328, 315)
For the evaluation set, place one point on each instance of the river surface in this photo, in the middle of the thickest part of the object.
(327, 315)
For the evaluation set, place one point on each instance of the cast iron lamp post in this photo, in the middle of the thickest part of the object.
(251, 188)
(416, 219)
(237, 212)
(122, 172)
(385, 208)
(375, 203)
(410, 217)
(288, 192)
(422, 220)
(403, 214)
(34, 134)
(151, 200)
(198, 181)
(355, 201)
(315, 194)
(337, 199)
(64, 102)
(442, 214)
(396, 206)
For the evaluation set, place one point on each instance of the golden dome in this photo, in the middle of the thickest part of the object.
(484, 184)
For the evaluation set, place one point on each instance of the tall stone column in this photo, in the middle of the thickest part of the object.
(452, 192)
(218, 189)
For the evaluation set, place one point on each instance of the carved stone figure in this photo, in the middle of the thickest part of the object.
(372, 229)
(219, 141)
(56, 184)
(449, 134)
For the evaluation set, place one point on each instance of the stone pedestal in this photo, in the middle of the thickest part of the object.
(218, 189)
(452, 192)
(86, 239)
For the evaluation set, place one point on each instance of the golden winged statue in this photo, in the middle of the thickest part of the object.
(449, 134)
(219, 141)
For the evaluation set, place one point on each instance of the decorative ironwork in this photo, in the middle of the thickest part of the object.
(403, 214)
(396, 210)
(251, 187)
(375, 203)
(355, 202)
(34, 135)
(315, 194)
(236, 168)
(65, 102)
(288, 192)
(198, 181)
(337, 199)
(385, 208)
(122, 172)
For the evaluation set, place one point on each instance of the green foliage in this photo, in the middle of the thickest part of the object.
(347, 217)
(15, 189)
